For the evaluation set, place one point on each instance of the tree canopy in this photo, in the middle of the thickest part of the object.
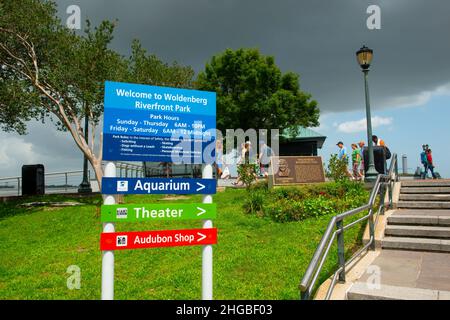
(48, 71)
(252, 92)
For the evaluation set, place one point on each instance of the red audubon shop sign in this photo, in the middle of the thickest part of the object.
(154, 239)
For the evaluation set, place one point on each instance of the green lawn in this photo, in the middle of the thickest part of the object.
(255, 258)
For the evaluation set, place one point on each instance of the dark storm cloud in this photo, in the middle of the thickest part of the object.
(317, 39)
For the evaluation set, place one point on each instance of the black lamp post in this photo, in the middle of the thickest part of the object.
(85, 186)
(364, 57)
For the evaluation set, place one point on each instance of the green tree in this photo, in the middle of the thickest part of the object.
(49, 72)
(149, 69)
(252, 92)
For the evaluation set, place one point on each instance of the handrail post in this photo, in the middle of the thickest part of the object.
(391, 186)
(341, 249)
(18, 186)
(382, 198)
(371, 229)
(396, 169)
(65, 186)
(304, 295)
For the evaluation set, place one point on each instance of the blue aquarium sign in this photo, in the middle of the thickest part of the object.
(158, 186)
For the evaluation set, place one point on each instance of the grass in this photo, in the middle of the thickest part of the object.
(255, 258)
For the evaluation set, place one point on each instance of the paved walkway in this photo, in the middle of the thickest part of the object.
(413, 269)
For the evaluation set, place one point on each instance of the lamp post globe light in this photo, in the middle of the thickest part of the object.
(364, 57)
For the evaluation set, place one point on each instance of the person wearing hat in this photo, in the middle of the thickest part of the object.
(342, 155)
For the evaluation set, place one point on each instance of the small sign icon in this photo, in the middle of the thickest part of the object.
(121, 241)
(121, 213)
(122, 186)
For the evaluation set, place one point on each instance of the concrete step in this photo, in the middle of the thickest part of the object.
(417, 231)
(424, 197)
(423, 220)
(420, 244)
(426, 183)
(423, 205)
(427, 190)
(367, 291)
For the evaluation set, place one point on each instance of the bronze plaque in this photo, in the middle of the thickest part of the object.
(296, 170)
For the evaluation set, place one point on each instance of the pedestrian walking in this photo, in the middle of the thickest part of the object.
(265, 153)
(343, 156)
(430, 165)
(356, 162)
(377, 141)
(362, 170)
(245, 161)
(424, 161)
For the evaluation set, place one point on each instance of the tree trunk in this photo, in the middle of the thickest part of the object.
(97, 166)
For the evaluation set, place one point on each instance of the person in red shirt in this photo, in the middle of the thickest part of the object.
(430, 165)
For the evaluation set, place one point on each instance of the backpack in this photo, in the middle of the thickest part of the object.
(388, 153)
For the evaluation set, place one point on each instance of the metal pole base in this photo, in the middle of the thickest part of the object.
(371, 175)
(85, 187)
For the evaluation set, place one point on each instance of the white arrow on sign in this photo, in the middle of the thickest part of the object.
(202, 186)
(202, 211)
(202, 236)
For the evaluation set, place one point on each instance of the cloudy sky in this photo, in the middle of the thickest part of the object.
(409, 79)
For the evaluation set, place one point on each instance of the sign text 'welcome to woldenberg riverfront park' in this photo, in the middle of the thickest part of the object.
(149, 123)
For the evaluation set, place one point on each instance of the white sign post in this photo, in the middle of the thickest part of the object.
(207, 252)
(108, 256)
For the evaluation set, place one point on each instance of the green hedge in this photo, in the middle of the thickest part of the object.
(285, 204)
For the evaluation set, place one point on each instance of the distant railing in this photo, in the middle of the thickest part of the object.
(128, 170)
(336, 228)
(55, 182)
(65, 181)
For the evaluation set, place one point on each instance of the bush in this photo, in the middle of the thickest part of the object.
(259, 186)
(247, 173)
(337, 168)
(254, 201)
(284, 210)
(298, 203)
(320, 206)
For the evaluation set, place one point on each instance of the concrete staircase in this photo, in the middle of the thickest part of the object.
(423, 219)
(417, 266)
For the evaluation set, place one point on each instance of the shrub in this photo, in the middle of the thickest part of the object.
(259, 186)
(337, 168)
(297, 203)
(254, 201)
(247, 173)
(284, 210)
(320, 206)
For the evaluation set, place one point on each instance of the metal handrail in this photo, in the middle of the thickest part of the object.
(335, 229)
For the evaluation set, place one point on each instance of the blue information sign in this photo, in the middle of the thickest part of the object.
(149, 123)
(158, 186)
